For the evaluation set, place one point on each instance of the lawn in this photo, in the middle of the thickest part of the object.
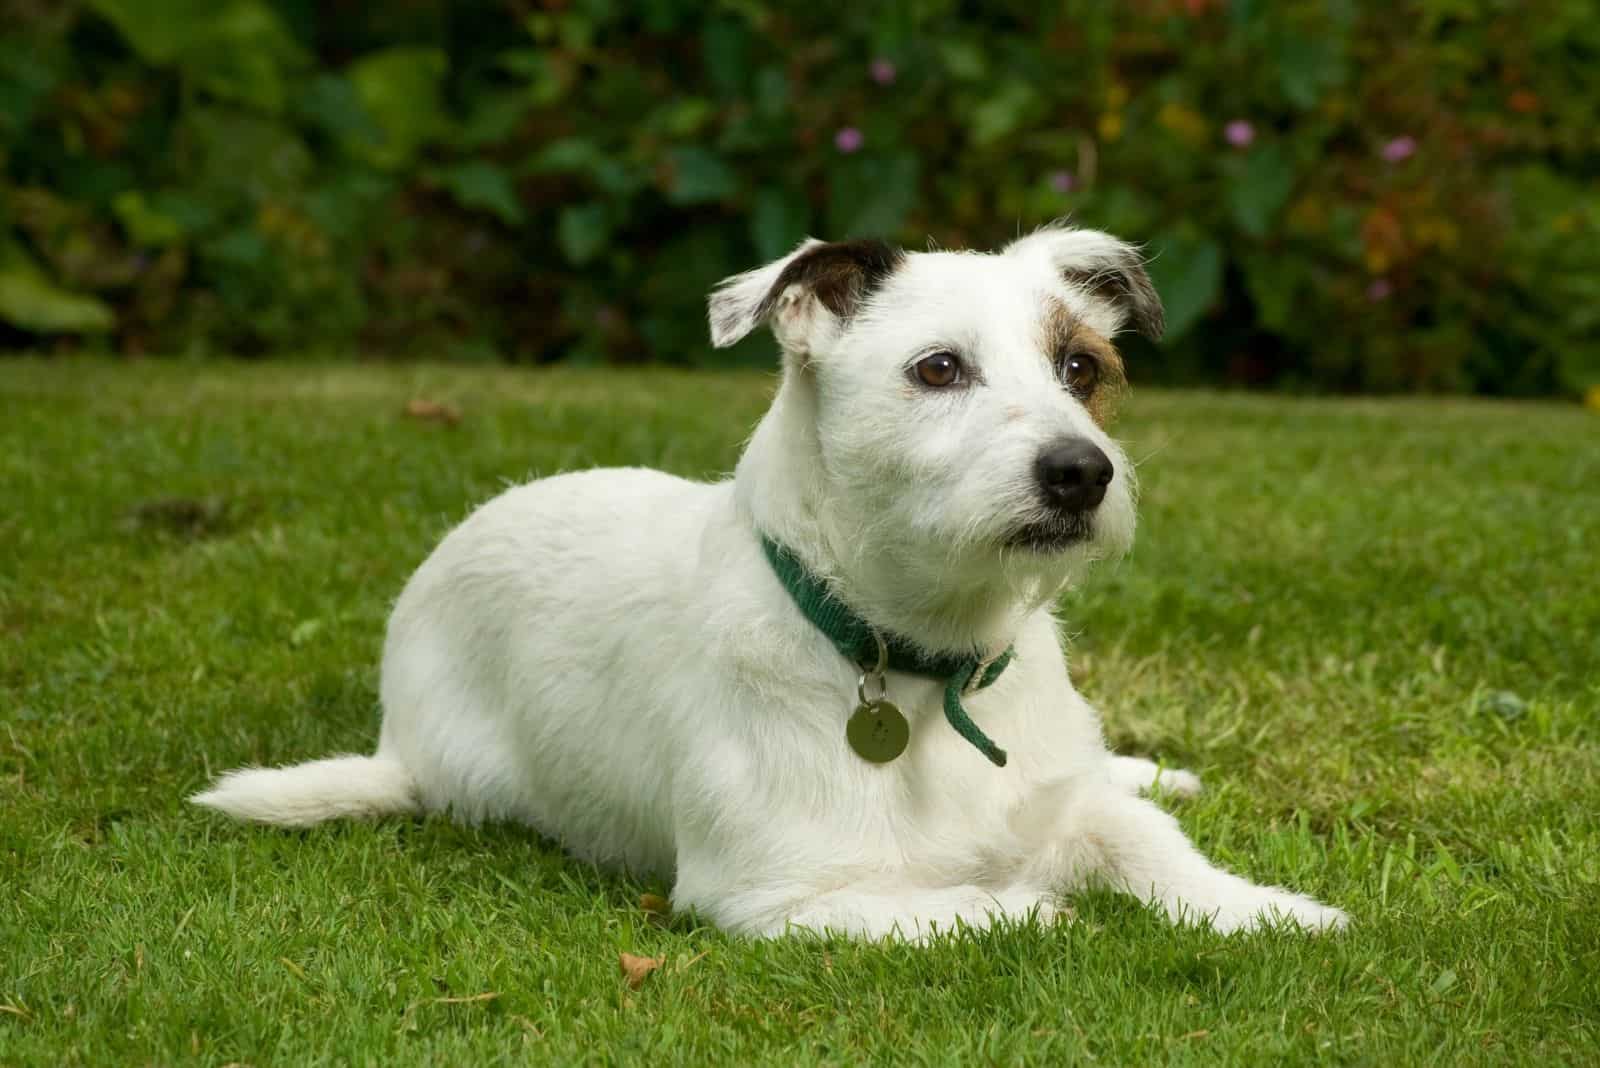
(1373, 626)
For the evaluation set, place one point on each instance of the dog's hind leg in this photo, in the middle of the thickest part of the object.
(1131, 845)
(878, 910)
(914, 913)
(1138, 775)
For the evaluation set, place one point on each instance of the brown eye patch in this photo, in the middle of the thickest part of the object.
(1085, 363)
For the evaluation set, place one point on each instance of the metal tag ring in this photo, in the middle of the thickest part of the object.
(876, 672)
(861, 688)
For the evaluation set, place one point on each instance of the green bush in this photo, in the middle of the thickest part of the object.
(1336, 196)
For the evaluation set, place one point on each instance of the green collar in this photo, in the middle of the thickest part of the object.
(854, 638)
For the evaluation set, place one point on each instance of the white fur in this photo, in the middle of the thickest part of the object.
(341, 787)
(607, 657)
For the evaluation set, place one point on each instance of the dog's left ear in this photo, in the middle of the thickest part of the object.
(1110, 269)
(820, 283)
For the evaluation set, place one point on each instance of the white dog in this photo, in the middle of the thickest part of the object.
(701, 680)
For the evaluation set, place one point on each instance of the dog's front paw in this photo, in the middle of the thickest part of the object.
(1176, 782)
(1137, 775)
(1267, 907)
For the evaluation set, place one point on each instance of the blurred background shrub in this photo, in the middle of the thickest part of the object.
(1337, 195)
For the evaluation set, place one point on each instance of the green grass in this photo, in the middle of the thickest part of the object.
(1371, 626)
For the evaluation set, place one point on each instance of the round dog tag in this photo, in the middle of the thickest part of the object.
(878, 732)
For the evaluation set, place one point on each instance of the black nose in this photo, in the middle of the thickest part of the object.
(1074, 474)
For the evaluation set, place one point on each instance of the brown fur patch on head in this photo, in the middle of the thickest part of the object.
(1065, 335)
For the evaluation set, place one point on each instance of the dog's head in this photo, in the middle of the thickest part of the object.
(960, 399)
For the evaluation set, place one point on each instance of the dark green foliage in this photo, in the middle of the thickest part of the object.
(1338, 196)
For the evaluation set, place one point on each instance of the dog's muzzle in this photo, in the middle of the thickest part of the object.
(1072, 476)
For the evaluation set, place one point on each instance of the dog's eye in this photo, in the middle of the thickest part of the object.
(1080, 372)
(939, 370)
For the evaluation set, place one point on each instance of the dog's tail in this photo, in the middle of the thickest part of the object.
(339, 787)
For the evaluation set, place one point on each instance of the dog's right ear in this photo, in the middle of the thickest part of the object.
(1101, 265)
(820, 283)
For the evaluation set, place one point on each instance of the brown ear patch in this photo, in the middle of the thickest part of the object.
(841, 274)
(1065, 334)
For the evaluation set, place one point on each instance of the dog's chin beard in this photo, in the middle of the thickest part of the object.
(1052, 534)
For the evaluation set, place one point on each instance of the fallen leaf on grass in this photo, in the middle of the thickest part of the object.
(636, 969)
(654, 903)
(433, 411)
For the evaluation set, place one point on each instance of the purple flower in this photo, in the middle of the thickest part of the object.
(1239, 133)
(848, 139)
(883, 71)
(1062, 181)
(1379, 290)
(1401, 148)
